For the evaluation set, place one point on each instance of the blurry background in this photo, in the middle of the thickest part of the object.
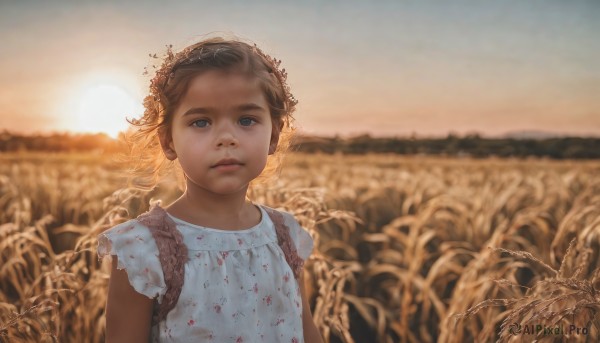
(386, 68)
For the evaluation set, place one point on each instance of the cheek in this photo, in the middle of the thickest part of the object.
(260, 149)
(258, 139)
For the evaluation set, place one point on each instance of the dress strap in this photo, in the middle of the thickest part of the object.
(173, 255)
(285, 242)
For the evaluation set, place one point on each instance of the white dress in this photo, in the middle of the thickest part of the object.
(238, 286)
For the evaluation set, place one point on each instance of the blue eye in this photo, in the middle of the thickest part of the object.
(200, 123)
(247, 121)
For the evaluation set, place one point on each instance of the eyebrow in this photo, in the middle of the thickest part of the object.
(207, 110)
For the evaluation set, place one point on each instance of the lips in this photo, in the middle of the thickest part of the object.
(226, 162)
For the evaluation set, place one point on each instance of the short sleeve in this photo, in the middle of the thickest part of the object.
(137, 253)
(302, 240)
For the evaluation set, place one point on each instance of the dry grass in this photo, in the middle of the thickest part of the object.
(409, 249)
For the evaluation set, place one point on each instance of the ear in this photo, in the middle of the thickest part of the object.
(166, 143)
(276, 130)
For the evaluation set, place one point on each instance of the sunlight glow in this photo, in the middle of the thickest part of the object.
(104, 108)
(100, 102)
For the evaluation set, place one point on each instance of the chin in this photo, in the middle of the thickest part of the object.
(227, 189)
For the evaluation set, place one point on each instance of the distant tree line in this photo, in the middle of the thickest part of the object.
(58, 142)
(452, 145)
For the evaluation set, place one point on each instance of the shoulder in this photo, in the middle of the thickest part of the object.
(136, 251)
(126, 233)
(126, 227)
(281, 215)
(130, 239)
(301, 238)
(138, 230)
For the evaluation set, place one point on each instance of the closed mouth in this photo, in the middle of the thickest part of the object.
(227, 162)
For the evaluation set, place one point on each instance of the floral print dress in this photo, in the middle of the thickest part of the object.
(237, 285)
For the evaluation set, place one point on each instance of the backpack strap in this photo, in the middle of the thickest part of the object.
(285, 242)
(173, 255)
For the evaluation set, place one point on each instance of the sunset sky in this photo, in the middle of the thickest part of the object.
(384, 68)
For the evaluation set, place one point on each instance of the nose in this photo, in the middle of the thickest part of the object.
(226, 137)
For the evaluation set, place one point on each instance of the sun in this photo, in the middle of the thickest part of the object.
(100, 101)
(104, 107)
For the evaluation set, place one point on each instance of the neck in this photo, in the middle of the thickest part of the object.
(202, 207)
(216, 204)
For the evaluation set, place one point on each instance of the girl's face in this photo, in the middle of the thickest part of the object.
(221, 132)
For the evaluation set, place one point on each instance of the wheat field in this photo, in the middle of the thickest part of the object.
(408, 249)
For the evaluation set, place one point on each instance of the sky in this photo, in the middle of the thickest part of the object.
(386, 68)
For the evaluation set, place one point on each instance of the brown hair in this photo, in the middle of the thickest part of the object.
(170, 84)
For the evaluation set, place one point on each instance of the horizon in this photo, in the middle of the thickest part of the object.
(517, 135)
(424, 68)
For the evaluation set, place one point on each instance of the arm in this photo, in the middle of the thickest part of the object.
(311, 333)
(128, 313)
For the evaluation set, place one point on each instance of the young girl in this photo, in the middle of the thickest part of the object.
(212, 266)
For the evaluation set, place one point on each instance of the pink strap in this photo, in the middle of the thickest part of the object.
(173, 255)
(285, 242)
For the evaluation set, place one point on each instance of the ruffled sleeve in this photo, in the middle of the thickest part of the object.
(302, 240)
(138, 254)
